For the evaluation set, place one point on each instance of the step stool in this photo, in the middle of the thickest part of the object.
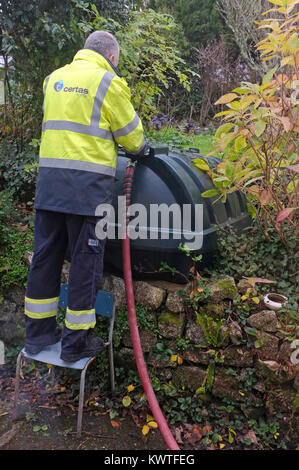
(105, 306)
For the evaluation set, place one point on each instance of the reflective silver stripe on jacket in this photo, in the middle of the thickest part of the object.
(99, 98)
(77, 165)
(83, 318)
(76, 127)
(128, 128)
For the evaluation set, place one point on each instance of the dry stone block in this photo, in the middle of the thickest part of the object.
(189, 375)
(244, 286)
(227, 386)
(223, 289)
(174, 302)
(268, 347)
(224, 386)
(196, 355)
(235, 332)
(147, 339)
(232, 356)
(2, 353)
(7, 310)
(275, 372)
(148, 295)
(166, 374)
(12, 334)
(16, 294)
(12, 323)
(27, 257)
(195, 334)
(285, 352)
(265, 320)
(107, 284)
(215, 311)
(65, 272)
(124, 357)
(118, 289)
(171, 325)
(238, 356)
(160, 363)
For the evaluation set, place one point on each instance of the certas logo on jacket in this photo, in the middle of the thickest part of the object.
(58, 86)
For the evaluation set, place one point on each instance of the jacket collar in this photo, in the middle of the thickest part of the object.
(96, 58)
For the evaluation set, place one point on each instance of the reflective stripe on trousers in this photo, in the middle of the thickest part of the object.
(80, 319)
(41, 308)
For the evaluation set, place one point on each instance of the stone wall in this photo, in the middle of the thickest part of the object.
(267, 353)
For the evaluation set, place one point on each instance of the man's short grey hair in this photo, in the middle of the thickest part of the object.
(102, 42)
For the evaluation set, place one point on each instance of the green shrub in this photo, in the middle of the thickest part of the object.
(16, 237)
(260, 131)
(252, 255)
(18, 171)
(150, 58)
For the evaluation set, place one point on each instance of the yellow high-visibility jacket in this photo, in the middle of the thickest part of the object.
(87, 112)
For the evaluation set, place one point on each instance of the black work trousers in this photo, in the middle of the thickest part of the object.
(54, 233)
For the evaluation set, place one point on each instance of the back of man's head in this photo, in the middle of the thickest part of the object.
(104, 43)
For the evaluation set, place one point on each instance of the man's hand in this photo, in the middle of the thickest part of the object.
(144, 153)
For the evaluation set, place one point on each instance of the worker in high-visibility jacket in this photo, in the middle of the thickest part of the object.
(87, 113)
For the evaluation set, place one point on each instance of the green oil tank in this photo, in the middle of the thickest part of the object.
(169, 178)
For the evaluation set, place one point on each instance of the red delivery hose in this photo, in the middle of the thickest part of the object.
(142, 370)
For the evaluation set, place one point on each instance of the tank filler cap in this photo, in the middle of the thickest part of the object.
(158, 150)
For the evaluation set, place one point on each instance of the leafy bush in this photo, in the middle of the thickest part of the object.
(260, 133)
(150, 60)
(16, 237)
(18, 171)
(40, 36)
(7, 213)
(252, 255)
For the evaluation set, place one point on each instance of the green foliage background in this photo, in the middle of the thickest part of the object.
(200, 19)
(42, 36)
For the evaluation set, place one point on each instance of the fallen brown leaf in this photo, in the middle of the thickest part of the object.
(207, 428)
(20, 228)
(115, 424)
(197, 430)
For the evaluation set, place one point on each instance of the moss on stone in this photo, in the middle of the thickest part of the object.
(228, 288)
(171, 319)
(215, 311)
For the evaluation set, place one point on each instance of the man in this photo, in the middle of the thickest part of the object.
(87, 113)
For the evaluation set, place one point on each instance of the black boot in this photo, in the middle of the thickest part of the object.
(34, 349)
(89, 347)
